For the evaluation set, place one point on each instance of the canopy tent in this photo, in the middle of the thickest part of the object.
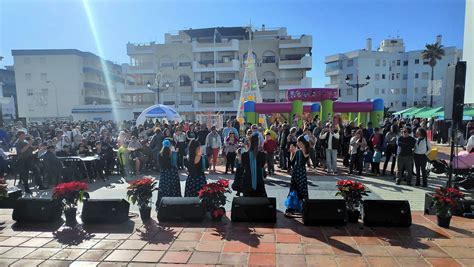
(429, 113)
(403, 111)
(158, 111)
(414, 112)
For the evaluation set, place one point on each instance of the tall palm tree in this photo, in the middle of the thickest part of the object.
(433, 53)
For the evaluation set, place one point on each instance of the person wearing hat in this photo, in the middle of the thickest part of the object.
(169, 177)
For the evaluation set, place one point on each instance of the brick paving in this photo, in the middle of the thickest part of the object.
(286, 243)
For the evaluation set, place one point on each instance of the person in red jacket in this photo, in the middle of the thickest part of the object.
(269, 147)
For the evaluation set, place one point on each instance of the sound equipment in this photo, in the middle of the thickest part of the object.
(455, 104)
(37, 210)
(463, 206)
(182, 209)
(324, 212)
(9, 202)
(253, 209)
(105, 211)
(394, 213)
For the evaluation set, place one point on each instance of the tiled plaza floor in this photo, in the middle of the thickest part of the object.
(286, 243)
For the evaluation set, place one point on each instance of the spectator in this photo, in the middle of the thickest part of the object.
(406, 145)
(269, 147)
(230, 148)
(420, 156)
(214, 143)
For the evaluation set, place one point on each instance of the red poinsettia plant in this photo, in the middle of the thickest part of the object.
(3, 188)
(213, 195)
(445, 199)
(352, 192)
(140, 191)
(70, 193)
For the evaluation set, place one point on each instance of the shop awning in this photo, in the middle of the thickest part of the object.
(427, 114)
(403, 111)
(413, 113)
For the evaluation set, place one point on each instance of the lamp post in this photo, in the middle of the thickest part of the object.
(357, 85)
(264, 83)
(56, 93)
(158, 85)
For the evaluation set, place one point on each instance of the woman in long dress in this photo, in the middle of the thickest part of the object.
(299, 179)
(253, 162)
(196, 166)
(169, 178)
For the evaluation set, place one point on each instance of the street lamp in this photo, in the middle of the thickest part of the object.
(357, 85)
(56, 93)
(158, 86)
(264, 83)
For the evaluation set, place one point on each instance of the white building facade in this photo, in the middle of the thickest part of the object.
(200, 70)
(51, 82)
(401, 78)
(468, 54)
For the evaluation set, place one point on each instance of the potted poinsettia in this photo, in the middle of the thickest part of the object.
(70, 194)
(444, 200)
(352, 192)
(140, 192)
(213, 198)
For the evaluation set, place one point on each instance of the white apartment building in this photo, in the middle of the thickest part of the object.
(200, 70)
(51, 82)
(468, 53)
(401, 78)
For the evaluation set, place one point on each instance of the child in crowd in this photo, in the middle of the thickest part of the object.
(376, 160)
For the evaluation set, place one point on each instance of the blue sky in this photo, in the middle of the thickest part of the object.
(336, 26)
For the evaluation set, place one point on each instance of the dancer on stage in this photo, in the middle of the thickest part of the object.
(169, 185)
(253, 162)
(196, 165)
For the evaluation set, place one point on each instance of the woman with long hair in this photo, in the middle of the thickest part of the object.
(169, 178)
(253, 162)
(196, 166)
(420, 156)
(299, 180)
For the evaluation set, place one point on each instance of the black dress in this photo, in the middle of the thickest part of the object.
(169, 185)
(196, 178)
(247, 189)
(299, 180)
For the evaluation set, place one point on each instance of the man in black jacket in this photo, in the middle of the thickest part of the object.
(406, 146)
(282, 142)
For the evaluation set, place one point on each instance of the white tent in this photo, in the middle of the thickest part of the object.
(158, 111)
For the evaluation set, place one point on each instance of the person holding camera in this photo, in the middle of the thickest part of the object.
(331, 144)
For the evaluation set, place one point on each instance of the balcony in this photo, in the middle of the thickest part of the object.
(143, 68)
(219, 86)
(291, 83)
(332, 85)
(219, 106)
(209, 65)
(231, 45)
(140, 49)
(304, 41)
(305, 62)
(136, 89)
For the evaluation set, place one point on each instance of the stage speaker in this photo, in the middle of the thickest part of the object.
(394, 213)
(9, 202)
(455, 90)
(254, 209)
(324, 212)
(105, 211)
(37, 210)
(182, 209)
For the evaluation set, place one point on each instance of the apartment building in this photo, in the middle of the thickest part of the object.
(401, 78)
(468, 53)
(200, 70)
(8, 92)
(51, 82)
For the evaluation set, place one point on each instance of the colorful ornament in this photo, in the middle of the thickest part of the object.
(250, 97)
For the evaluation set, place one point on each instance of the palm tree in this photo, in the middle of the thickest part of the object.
(433, 53)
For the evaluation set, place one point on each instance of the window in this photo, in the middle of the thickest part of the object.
(424, 90)
(383, 76)
(28, 76)
(425, 75)
(397, 76)
(426, 62)
(416, 75)
(208, 98)
(350, 76)
(397, 91)
(29, 92)
(44, 76)
(268, 59)
(42, 60)
(184, 80)
(377, 62)
(404, 104)
(404, 91)
(393, 76)
(349, 91)
(184, 64)
(405, 76)
(405, 62)
(391, 104)
(417, 61)
(26, 60)
(415, 103)
(384, 63)
(383, 91)
(391, 91)
(377, 76)
(398, 62)
(350, 62)
(416, 90)
(377, 91)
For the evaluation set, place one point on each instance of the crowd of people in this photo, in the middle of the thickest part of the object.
(44, 152)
